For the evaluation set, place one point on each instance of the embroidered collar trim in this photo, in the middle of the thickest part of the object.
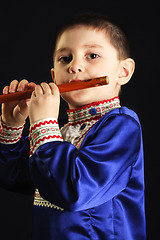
(92, 111)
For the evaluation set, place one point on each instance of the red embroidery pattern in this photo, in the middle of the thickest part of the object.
(43, 124)
(96, 118)
(10, 135)
(42, 141)
(94, 104)
(85, 113)
(89, 115)
(8, 128)
(43, 131)
(10, 141)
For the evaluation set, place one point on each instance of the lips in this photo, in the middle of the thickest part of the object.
(75, 80)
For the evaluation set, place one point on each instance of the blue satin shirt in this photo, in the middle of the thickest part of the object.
(95, 191)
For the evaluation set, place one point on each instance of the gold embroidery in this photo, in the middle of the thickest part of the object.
(40, 202)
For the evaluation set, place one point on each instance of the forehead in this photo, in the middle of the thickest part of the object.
(82, 36)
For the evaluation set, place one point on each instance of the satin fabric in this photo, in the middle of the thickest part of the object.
(100, 186)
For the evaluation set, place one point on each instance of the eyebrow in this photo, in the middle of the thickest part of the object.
(63, 49)
(94, 45)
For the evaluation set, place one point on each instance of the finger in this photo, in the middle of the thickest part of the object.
(31, 85)
(46, 88)
(38, 90)
(23, 85)
(13, 86)
(6, 90)
(54, 88)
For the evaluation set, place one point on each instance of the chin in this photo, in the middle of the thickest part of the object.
(79, 98)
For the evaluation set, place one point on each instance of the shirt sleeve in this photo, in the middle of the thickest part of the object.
(10, 135)
(44, 131)
(14, 160)
(81, 179)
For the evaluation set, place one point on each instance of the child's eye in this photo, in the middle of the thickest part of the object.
(92, 56)
(65, 59)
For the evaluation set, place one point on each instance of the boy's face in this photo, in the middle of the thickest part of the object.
(83, 53)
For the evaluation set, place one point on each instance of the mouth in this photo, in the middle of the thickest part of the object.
(75, 80)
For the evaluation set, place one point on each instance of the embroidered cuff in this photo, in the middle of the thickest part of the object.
(8, 134)
(44, 131)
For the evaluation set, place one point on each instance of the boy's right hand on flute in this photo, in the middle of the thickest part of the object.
(15, 113)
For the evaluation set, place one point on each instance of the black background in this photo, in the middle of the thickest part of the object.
(26, 45)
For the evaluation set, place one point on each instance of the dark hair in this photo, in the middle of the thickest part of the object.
(93, 20)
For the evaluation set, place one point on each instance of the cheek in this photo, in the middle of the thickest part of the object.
(60, 77)
(102, 69)
(112, 73)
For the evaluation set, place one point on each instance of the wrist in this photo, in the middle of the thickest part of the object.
(11, 123)
(35, 120)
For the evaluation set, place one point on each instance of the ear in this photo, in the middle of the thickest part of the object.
(127, 67)
(52, 73)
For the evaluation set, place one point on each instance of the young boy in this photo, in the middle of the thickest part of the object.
(88, 178)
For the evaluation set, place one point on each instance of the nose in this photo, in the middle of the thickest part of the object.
(76, 67)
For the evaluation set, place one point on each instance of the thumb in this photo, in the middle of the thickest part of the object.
(21, 110)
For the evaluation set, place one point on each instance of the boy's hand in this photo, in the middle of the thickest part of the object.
(15, 113)
(45, 101)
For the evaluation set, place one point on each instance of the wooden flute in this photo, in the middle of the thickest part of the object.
(66, 87)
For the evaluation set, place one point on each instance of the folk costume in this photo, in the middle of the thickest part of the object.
(88, 177)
